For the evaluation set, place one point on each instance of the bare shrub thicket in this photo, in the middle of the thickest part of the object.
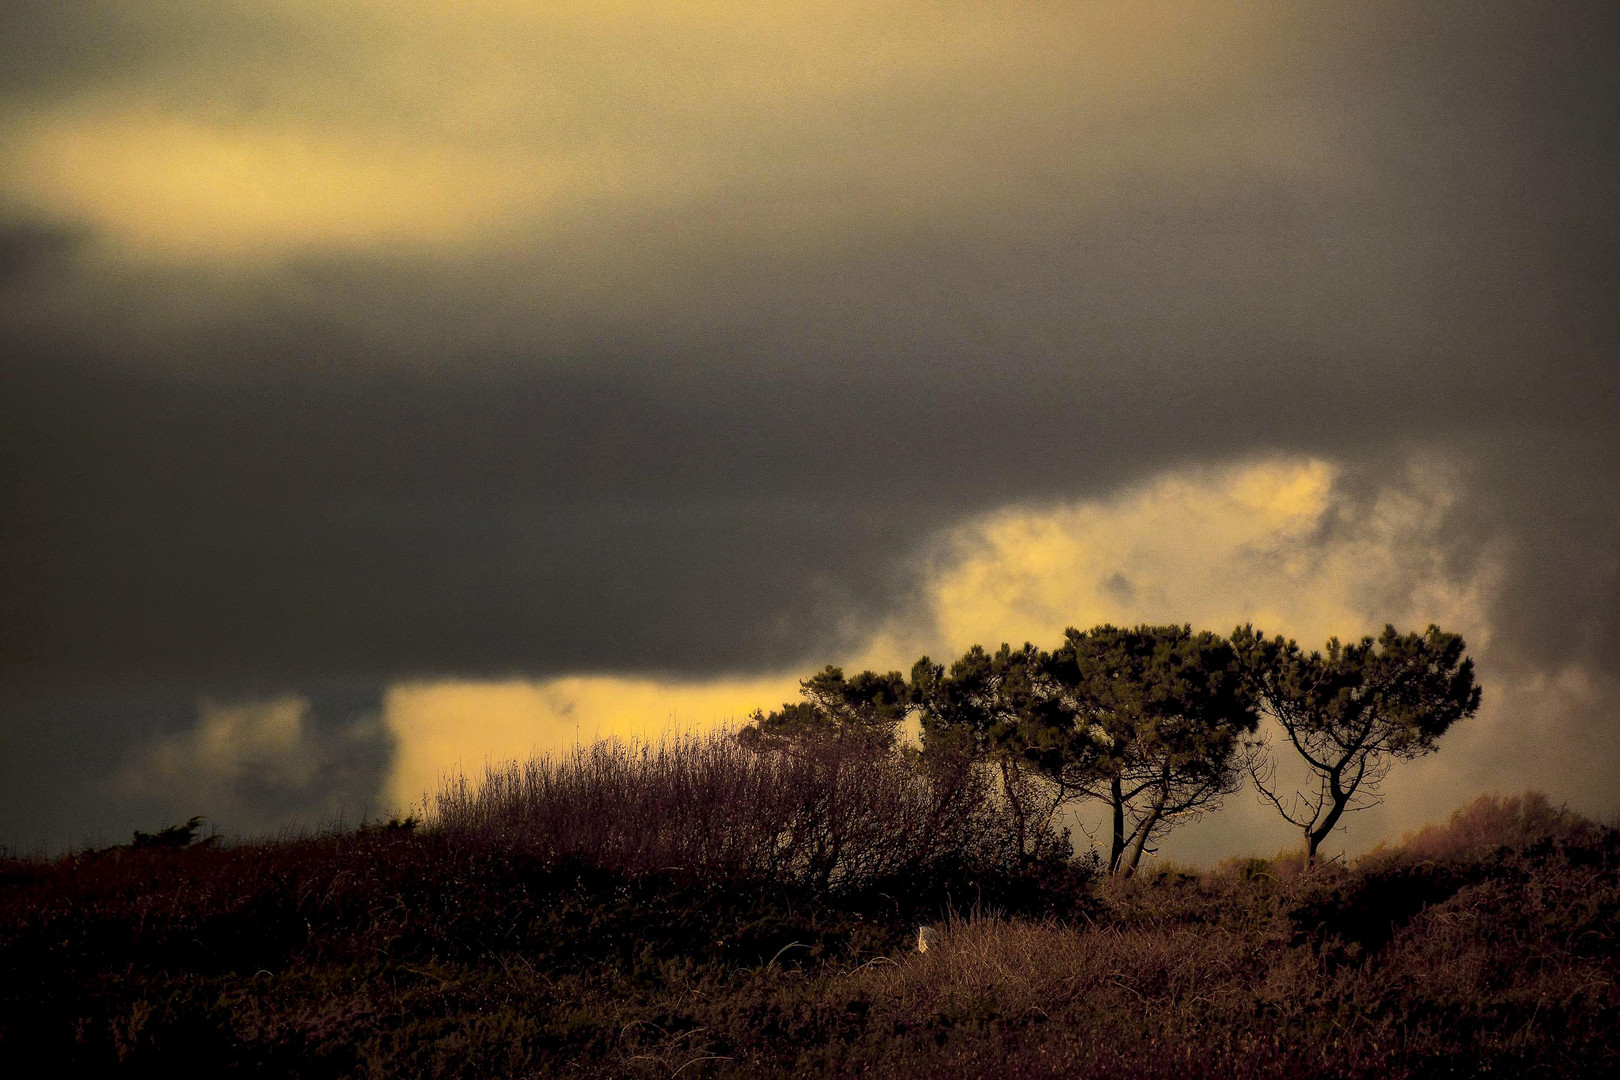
(834, 813)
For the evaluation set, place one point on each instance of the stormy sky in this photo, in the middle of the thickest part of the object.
(389, 386)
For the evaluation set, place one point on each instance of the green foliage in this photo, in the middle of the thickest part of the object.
(997, 702)
(1353, 710)
(1160, 692)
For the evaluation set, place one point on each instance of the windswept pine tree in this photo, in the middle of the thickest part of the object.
(1352, 711)
(1168, 717)
(1152, 721)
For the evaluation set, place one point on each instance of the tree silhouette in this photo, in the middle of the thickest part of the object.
(1151, 721)
(867, 707)
(1167, 715)
(1353, 711)
(173, 837)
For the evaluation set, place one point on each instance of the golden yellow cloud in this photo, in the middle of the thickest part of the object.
(351, 122)
(166, 186)
(1266, 542)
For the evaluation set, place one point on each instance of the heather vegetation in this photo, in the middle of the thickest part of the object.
(748, 904)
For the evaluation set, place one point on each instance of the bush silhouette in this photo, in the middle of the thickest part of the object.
(172, 837)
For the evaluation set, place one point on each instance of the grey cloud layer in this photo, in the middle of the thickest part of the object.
(701, 422)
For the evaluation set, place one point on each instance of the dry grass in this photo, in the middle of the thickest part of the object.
(1512, 967)
(1040, 965)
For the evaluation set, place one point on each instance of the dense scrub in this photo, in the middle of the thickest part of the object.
(613, 915)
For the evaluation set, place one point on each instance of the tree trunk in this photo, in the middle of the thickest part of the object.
(1314, 837)
(1009, 782)
(1140, 838)
(1117, 847)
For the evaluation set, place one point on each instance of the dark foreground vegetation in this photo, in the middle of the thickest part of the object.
(707, 910)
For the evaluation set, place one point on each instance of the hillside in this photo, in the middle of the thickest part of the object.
(530, 934)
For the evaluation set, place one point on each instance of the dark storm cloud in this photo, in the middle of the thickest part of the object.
(706, 431)
(26, 248)
(51, 48)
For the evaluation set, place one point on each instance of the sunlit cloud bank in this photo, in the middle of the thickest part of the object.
(1281, 544)
(169, 187)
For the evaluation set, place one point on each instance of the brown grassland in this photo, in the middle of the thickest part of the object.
(697, 910)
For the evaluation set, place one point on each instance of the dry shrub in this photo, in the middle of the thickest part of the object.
(834, 814)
